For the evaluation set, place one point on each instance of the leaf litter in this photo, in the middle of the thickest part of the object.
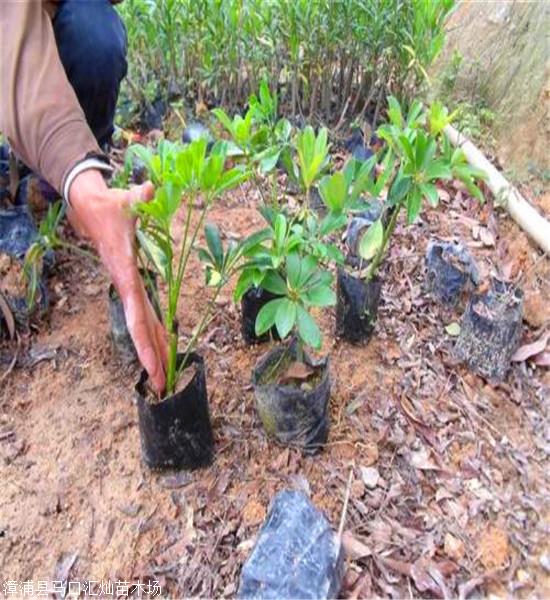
(449, 488)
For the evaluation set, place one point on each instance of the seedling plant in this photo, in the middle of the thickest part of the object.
(181, 174)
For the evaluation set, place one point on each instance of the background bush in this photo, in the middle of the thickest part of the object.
(327, 59)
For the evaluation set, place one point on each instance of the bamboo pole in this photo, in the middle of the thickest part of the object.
(506, 195)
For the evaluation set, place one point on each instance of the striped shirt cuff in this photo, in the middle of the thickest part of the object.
(85, 165)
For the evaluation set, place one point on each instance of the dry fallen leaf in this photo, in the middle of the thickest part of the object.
(354, 548)
(454, 548)
(529, 350)
(493, 548)
(253, 513)
(297, 371)
(8, 316)
(486, 237)
(420, 459)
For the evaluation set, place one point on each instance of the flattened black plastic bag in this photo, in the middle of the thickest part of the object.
(450, 271)
(176, 432)
(17, 233)
(152, 114)
(291, 415)
(491, 330)
(356, 307)
(251, 304)
(296, 555)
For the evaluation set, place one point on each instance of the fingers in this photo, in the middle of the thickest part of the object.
(146, 331)
(141, 193)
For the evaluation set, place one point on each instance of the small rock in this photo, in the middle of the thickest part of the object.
(544, 561)
(297, 554)
(370, 476)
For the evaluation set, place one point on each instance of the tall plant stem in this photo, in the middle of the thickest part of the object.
(377, 260)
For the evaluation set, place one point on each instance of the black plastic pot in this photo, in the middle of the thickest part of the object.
(251, 304)
(120, 335)
(291, 415)
(176, 433)
(491, 331)
(450, 271)
(152, 114)
(360, 222)
(356, 307)
(17, 233)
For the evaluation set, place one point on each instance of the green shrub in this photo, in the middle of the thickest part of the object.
(325, 58)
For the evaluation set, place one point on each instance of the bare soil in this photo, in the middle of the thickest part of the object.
(460, 504)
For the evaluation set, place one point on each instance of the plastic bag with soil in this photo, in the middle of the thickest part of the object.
(17, 233)
(176, 432)
(296, 555)
(294, 412)
(251, 304)
(152, 114)
(358, 224)
(357, 307)
(491, 331)
(450, 271)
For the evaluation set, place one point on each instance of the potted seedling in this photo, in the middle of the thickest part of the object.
(305, 160)
(417, 157)
(40, 255)
(292, 389)
(175, 425)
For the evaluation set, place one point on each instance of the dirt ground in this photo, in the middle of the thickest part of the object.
(449, 492)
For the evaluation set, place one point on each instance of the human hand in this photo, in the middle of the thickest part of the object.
(103, 215)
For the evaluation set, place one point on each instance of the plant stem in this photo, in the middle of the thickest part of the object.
(299, 350)
(198, 331)
(377, 260)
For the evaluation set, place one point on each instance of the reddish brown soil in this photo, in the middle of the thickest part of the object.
(461, 500)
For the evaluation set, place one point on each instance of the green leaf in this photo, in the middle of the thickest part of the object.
(307, 329)
(429, 191)
(453, 329)
(285, 317)
(394, 112)
(293, 270)
(399, 189)
(333, 190)
(280, 231)
(321, 295)
(438, 169)
(223, 118)
(214, 242)
(371, 241)
(266, 317)
(332, 222)
(268, 159)
(154, 252)
(274, 283)
(414, 202)
(244, 283)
